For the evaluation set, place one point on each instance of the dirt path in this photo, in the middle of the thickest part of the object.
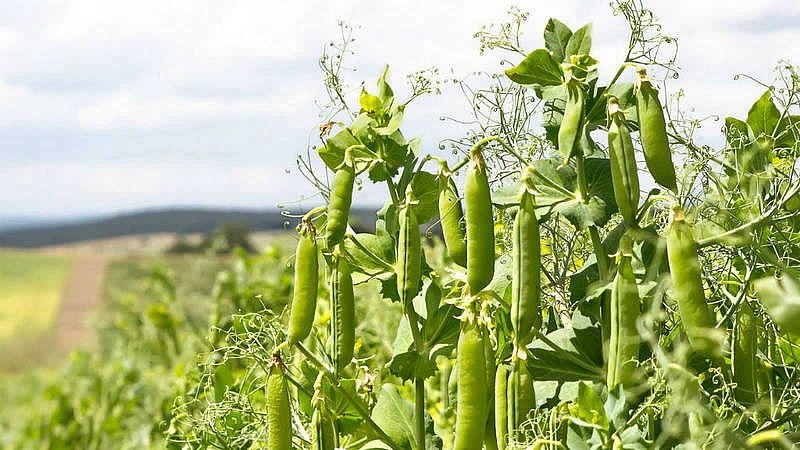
(80, 299)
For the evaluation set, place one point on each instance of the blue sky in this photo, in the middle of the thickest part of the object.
(108, 105)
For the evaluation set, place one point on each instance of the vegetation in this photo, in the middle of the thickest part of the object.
(566, 310)
(30, 286)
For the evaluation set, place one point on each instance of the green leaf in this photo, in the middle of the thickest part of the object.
(580, 43)
(556, 37)
(781, 298)
(763, 116)
(553, 392)
(332, 153)
(426, 190)
(394, 122)
(369, 103)
(538, 68)
(557, 191)
(385, 92)
(597, 104)
(395, 416)
(370, 252)
(441, 328)
(578, 354)
(590, 409)
(736, 131)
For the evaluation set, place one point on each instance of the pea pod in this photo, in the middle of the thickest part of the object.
(279, 423)
(570, 129)
(480, 225)
(339, 203)
(743, 355)
(526, 265)
(342, 313)
(306, 273)
(409, 252)
(452, 219)
(471, 409)
(623, 351)
(521, 397)
(687, 283)
(323, 428)
(624, 177)
(501, 406)
(653, 132)
(324, 434)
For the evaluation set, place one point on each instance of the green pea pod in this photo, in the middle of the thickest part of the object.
(743, 355)
(623, 349)
(570, 129)
(324, 433)
(343, 329)
(624, 177)
(501, 406)
(526, 266)
(489, 436)
(471, 409)
(444, 383)
(687, 283)
(480, 225)
(279, 416)
(452, 219)
(521, 397)
(306, 273)
(339, 204)
(409, 252)
(653, 132)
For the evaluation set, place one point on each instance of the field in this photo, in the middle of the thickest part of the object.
(31, 286)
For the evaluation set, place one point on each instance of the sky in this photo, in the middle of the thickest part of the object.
(107, 106)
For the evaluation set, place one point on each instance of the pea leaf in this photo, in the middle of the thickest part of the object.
(557, 191)
(580, 43)
(539, 68)
(395, 416)
(781, 298)
(763, 116)
(576, 354)
(596, 106)
(385, 92)
(370, 252)
(590, 411)
(369, 103)
(556, 37)
(332, 153)
(426, 190)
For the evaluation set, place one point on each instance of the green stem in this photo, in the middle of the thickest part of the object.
(358, 406)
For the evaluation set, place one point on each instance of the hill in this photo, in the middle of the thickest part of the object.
(180, 221)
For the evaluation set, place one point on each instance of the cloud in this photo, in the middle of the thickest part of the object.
(110, 105)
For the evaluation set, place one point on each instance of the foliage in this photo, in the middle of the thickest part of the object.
(636, 334)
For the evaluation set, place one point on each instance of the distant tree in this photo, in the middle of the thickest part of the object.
(226, 237)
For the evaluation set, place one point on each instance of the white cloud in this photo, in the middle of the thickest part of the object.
(125, 110)
(120, 97)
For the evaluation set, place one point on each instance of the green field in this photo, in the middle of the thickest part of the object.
(30, 289)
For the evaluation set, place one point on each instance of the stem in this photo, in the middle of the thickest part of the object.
(419, 411)
(594, 234)
(419, 382)
(322, 367)
(763, 219)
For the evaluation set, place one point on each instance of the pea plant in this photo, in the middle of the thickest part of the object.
(563, 307)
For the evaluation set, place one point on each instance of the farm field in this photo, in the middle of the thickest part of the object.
(31, 286)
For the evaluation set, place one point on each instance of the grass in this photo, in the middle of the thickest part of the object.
(30, 290)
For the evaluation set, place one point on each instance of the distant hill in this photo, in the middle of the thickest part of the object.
(181, 221)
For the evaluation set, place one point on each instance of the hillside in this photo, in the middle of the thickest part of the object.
(180, 221)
